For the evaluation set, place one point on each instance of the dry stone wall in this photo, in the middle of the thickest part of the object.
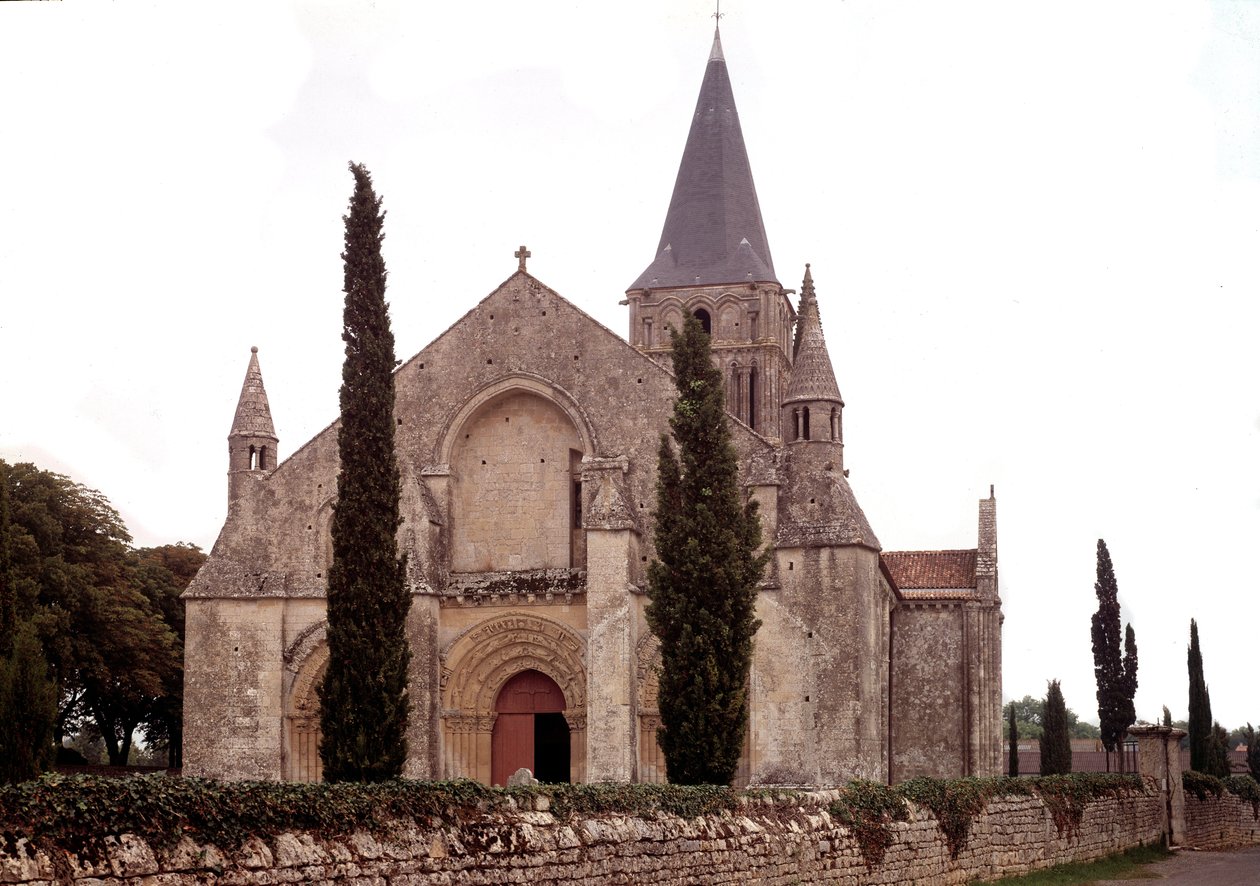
(1220, 822)
(764, 843)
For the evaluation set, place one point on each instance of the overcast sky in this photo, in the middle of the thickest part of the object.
(1034, 228)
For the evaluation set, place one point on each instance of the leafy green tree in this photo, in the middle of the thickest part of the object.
(702, 587)
(1200, 724)
(1012, 742)
(72, 578)
(28, 710)
(1167, 720)
(1056, 746)
(1028, 716)
(163, 574)
(1116, 677)
(364, 702)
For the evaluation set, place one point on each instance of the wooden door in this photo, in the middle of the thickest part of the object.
(512, 742)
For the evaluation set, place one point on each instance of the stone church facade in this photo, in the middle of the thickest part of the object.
(526, 441)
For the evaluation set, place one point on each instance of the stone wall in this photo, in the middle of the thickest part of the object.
(1219, 822)
(766, 843)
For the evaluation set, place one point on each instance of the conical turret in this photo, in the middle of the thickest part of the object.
(812, 406)
(252, 442)
(713, 231)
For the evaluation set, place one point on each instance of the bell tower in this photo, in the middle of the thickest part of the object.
(713, 261)
(252, 442)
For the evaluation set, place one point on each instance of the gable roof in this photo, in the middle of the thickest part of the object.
(713, 231)
(932, 570)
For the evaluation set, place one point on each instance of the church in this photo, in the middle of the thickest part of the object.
(526, 441)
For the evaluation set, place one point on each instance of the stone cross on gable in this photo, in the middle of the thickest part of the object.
(522, 254)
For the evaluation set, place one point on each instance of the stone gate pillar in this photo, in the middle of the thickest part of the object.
(611, 736)
(1159, 759)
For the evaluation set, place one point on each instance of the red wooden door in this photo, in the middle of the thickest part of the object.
(512, 742)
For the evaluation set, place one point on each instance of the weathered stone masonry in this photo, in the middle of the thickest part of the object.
(765, 843)
(526, 442)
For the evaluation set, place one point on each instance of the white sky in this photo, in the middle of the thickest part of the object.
(1035, 231)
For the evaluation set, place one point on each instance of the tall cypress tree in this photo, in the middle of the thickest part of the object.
(1013, 732)
(363, 698)
(1200, 726)
(1116, 677)
(1253, 753)
(8, 596)
(1056, 744)
(703, 584)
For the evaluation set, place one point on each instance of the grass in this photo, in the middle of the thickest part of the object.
(1127, 865)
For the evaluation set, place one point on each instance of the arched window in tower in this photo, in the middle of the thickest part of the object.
(835, 423)
(805, 423)
(705, 320)
(253, 458)
(262, 458)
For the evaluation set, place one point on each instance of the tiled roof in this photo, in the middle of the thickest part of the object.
(713, 230)
(928, 571)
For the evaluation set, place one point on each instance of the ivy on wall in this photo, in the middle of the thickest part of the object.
(79, 813)
(869, 808)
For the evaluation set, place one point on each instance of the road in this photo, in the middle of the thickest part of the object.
(1241, 868)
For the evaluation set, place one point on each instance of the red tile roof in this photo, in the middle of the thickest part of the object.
(934, 570)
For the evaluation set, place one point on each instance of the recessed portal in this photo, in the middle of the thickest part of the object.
(530, 731)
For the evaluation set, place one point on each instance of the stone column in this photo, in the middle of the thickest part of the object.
(611, 736)
(1159, 760)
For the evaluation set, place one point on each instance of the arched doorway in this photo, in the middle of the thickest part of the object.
(530, 730)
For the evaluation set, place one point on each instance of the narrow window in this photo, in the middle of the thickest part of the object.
(705, 320)
(262, 459)
(253, 459)
(805, 423)
(752, 326)
(752, 394)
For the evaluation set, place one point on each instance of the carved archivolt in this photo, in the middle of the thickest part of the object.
(648, 674)
(480, 660)
(306, 658)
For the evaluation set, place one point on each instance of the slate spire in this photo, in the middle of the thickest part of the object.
(713, 231)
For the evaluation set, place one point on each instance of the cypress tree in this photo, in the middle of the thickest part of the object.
(1056, 745)
(8, 596)
(1013, 733)
(703, 585)
(1200, 725)
(1167, 720)
(1218, 752)
(363, 698)
(1116, 677)
(1253, 753)
(28, 709)
(1129, 685)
